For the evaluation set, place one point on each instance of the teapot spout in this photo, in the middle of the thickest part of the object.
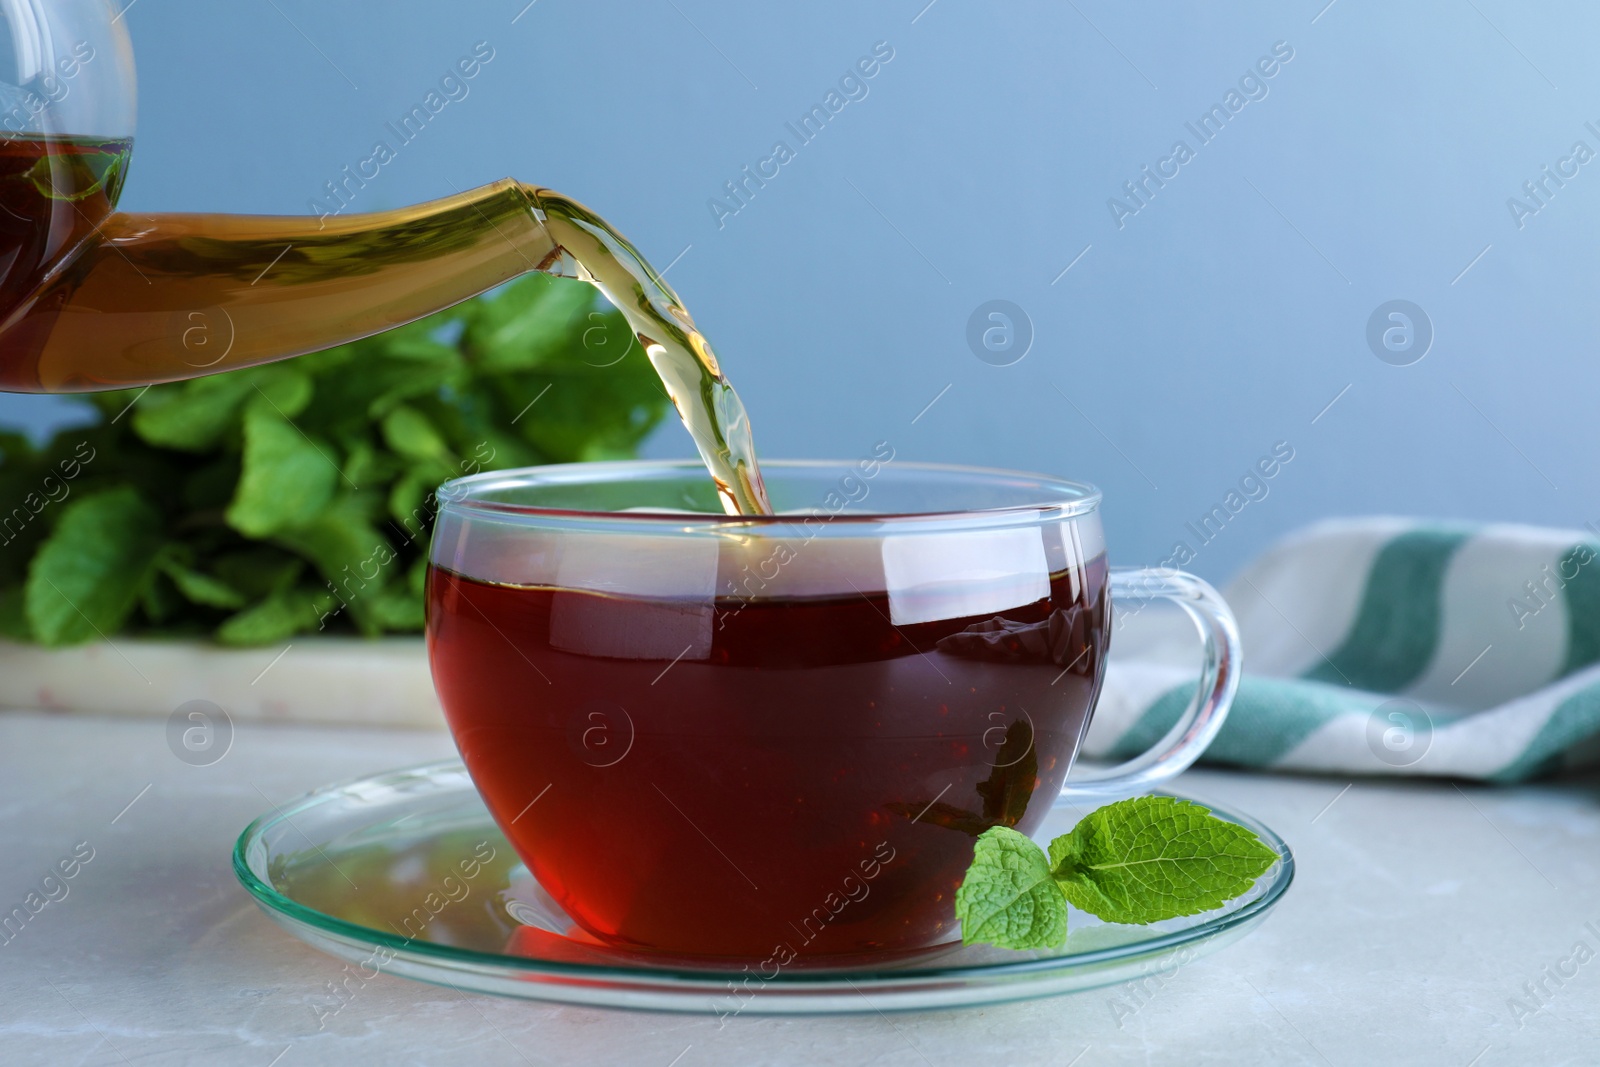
(159, 298)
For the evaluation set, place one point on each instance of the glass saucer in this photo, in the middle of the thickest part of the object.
(406, 873)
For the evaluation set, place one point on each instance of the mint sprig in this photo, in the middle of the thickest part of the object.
(1136, 861)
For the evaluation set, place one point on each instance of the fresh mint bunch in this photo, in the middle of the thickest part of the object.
(297, 497)
(1136, 861)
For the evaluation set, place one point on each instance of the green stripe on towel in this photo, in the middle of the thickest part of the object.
(1582, 594)
(1270, 717)
(1575, 719)
(1413, 593)
(1396, 628)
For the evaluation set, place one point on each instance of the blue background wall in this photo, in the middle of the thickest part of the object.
(1220, 319)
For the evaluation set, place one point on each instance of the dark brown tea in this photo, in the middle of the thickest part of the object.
(805, 784)
(53, 193)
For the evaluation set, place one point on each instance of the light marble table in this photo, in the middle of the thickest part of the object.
(1420, 909)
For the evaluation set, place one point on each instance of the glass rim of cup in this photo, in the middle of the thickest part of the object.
(1056, 498)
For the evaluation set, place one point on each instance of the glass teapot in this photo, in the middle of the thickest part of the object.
(91, 298)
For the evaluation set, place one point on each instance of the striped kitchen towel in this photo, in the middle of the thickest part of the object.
(1388, 646)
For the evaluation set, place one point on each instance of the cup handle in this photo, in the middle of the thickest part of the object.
(1219, 681)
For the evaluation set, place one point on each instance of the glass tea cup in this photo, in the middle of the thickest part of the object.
(775, 738)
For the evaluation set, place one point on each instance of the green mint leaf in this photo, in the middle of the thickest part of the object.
(1008, 897)
(87, 576)
(1152, 858)
(398, 382)
(201, 588)
(396, 607)
(191, 417)
(106, 167)
(158, 599)
(258, 571)
(195, 416)
(365, 465)
(287, 477)
(529, 323)
(344, 544)
(408, 500)
(482, 429)
(351, 554)
(592, 410)
(408, 432)
(416, 343)
(361, 381)
(287, 390)
(283, 614)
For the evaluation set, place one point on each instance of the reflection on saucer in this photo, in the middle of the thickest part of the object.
(407, 873)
